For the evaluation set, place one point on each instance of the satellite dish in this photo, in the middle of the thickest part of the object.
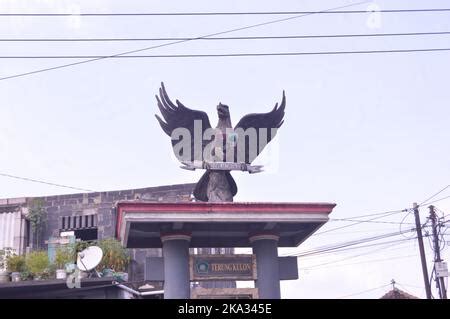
(89, 258)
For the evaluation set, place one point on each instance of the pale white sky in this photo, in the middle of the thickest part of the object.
(368, 132)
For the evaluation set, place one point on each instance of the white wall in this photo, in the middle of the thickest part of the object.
(12, 231)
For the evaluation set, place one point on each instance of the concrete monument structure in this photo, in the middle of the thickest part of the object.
(175, 227)
(215, 220)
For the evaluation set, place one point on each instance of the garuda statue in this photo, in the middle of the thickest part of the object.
(221, 149)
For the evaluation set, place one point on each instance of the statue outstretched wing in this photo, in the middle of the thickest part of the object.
(266, 126)
(179, 116)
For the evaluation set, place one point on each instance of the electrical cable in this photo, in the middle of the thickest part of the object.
(362, 292)
(342, 245)
(373, 251)
(219, 13)
(358, 232)
(351, 248)
(364, 221)
(44, 182)
(225, 38)
(382, 213)
(433, 196)
(360, 262)
(222, 55)
(358, 247)
(387, 245)
(438, 200)
(403, 222)
(408, 285)
(177, 42)
(356, 223)
(403, 288)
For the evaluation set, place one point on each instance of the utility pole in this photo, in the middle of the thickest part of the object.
(437, 253)
(422, 251)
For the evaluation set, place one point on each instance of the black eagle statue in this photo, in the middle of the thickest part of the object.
(218, 150)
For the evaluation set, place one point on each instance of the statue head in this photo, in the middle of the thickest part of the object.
(223, 111)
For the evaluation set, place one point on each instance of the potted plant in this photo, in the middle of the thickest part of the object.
(26, 274)
(16, 265)
(37, 263)
(64, 255)
(115, 257)
(5, 253)
(50, 272)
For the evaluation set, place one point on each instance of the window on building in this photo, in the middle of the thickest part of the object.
(84, 227)
(86, 234)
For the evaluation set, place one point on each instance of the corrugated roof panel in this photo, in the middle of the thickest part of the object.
(7, 227)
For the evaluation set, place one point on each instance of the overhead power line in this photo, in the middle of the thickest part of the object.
(181, 41)
(127, 14)
(384, 246)
(404, 289)
(386, 214)
(280, 37)
(357, 223)
(317, 267)
(365, 231)
(433, 196)
(368, 252)
(427, 201)
(408, 285)
(362, 246)
(44, 182)
(339, 246)
(221, 54)
(380, 213)
(365, 221)
(438, 200)
(362, 292)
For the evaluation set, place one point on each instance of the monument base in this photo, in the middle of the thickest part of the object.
(176, 227)
(224, 293)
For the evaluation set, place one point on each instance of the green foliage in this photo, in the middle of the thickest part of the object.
(16, 263)
(5, 253)
(64, 255)
(115, 256)
(81, 245)
(49, 272)
(38, 219)
(26, 275)
(37, 262)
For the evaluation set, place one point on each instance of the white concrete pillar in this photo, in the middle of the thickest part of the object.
(176, 265)
(265, 247)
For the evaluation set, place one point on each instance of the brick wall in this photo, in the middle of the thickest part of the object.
(102, 204)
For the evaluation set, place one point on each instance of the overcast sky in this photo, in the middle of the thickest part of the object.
(369, 132)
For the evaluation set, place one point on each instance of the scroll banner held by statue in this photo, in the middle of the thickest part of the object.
(222, 166)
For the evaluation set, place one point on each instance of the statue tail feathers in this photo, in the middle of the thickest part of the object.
(201, 189)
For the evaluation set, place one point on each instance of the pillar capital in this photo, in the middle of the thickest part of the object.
(263, 236)
(166, 236)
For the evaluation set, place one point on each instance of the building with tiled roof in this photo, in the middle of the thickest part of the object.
(398, 294)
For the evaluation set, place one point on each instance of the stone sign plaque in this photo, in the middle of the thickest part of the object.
(222, 267)
(224, 293)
